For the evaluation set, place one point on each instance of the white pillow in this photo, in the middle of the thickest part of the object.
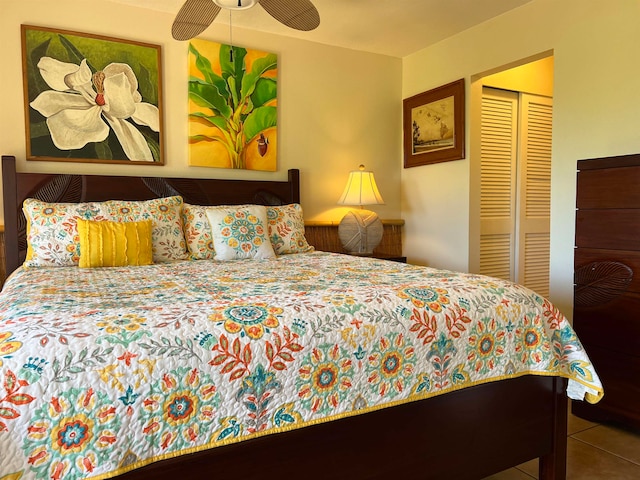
(240, 232)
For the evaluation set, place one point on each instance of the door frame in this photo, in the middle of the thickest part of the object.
(477, 83)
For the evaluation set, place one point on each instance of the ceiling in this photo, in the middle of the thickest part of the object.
(389, 27)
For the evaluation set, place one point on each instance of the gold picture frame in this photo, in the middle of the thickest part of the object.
(91, 98)
(433, 124)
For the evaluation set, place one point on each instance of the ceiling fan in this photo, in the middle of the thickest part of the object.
(196, 15)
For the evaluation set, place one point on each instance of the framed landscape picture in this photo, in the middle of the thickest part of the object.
(90, 98)
(434, 125)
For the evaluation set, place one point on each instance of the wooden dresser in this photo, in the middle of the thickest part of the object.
(607, 283)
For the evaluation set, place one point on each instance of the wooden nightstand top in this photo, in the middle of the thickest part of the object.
(391, 258)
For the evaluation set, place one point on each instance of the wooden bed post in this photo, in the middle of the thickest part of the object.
(553, 466)
(9, 195)
(294, 182)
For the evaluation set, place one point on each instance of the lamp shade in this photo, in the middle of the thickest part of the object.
(360, 231)
(361, 189)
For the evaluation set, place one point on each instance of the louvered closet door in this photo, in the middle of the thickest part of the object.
(498, 183)
(515, 187)
(534, 193)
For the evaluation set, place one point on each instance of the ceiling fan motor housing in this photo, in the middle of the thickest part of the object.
(235, 4)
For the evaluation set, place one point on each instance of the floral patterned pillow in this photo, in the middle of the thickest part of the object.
(286, 229)
(52, 232)
(197, 232)
(240, 232)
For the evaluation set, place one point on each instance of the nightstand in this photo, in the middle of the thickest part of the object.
(324, 236)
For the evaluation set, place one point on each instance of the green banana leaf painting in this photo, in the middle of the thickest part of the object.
(232, 107)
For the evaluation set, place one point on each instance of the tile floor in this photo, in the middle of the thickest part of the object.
(594, 452)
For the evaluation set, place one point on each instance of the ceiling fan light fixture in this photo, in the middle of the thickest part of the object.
(235, 4)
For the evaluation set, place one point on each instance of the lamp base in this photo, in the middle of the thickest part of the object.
(360, 231)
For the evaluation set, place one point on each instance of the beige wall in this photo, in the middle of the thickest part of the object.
(337, 107)
(596, 113)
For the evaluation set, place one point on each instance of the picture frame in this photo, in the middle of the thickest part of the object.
(91, 98)
(433, 125)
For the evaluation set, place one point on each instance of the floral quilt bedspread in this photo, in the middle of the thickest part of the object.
(106, 370)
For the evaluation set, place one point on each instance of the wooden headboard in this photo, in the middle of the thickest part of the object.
(72, 188)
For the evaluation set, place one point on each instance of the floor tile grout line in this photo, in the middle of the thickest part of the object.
(527, 474)
(607, 451)
(583, 430)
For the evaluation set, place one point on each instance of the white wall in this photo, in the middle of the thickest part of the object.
(337, 107)
(596, 113)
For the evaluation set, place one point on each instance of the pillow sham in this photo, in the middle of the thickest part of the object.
(286, 229)
(52, 234)
(114, 244)
(166, 213)
(197, 232)
(240, 232)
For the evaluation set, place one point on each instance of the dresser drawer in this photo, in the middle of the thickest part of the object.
(617, 229)
(583, 257)
(614, 325)
(608, 188)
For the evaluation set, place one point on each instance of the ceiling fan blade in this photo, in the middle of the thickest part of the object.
(193, 18)
(297, 14)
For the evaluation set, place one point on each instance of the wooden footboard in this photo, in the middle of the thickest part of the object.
(468, 434)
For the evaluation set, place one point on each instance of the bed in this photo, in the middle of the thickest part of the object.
(360, 405)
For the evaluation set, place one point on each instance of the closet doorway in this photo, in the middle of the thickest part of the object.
(511, 177)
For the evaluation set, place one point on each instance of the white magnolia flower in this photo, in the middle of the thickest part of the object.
(79, 102)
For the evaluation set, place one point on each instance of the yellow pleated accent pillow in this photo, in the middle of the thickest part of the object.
(114, 244)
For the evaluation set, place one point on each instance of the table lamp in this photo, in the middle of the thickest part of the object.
(360, 231)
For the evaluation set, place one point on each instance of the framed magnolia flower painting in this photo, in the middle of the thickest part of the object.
(90, 98)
